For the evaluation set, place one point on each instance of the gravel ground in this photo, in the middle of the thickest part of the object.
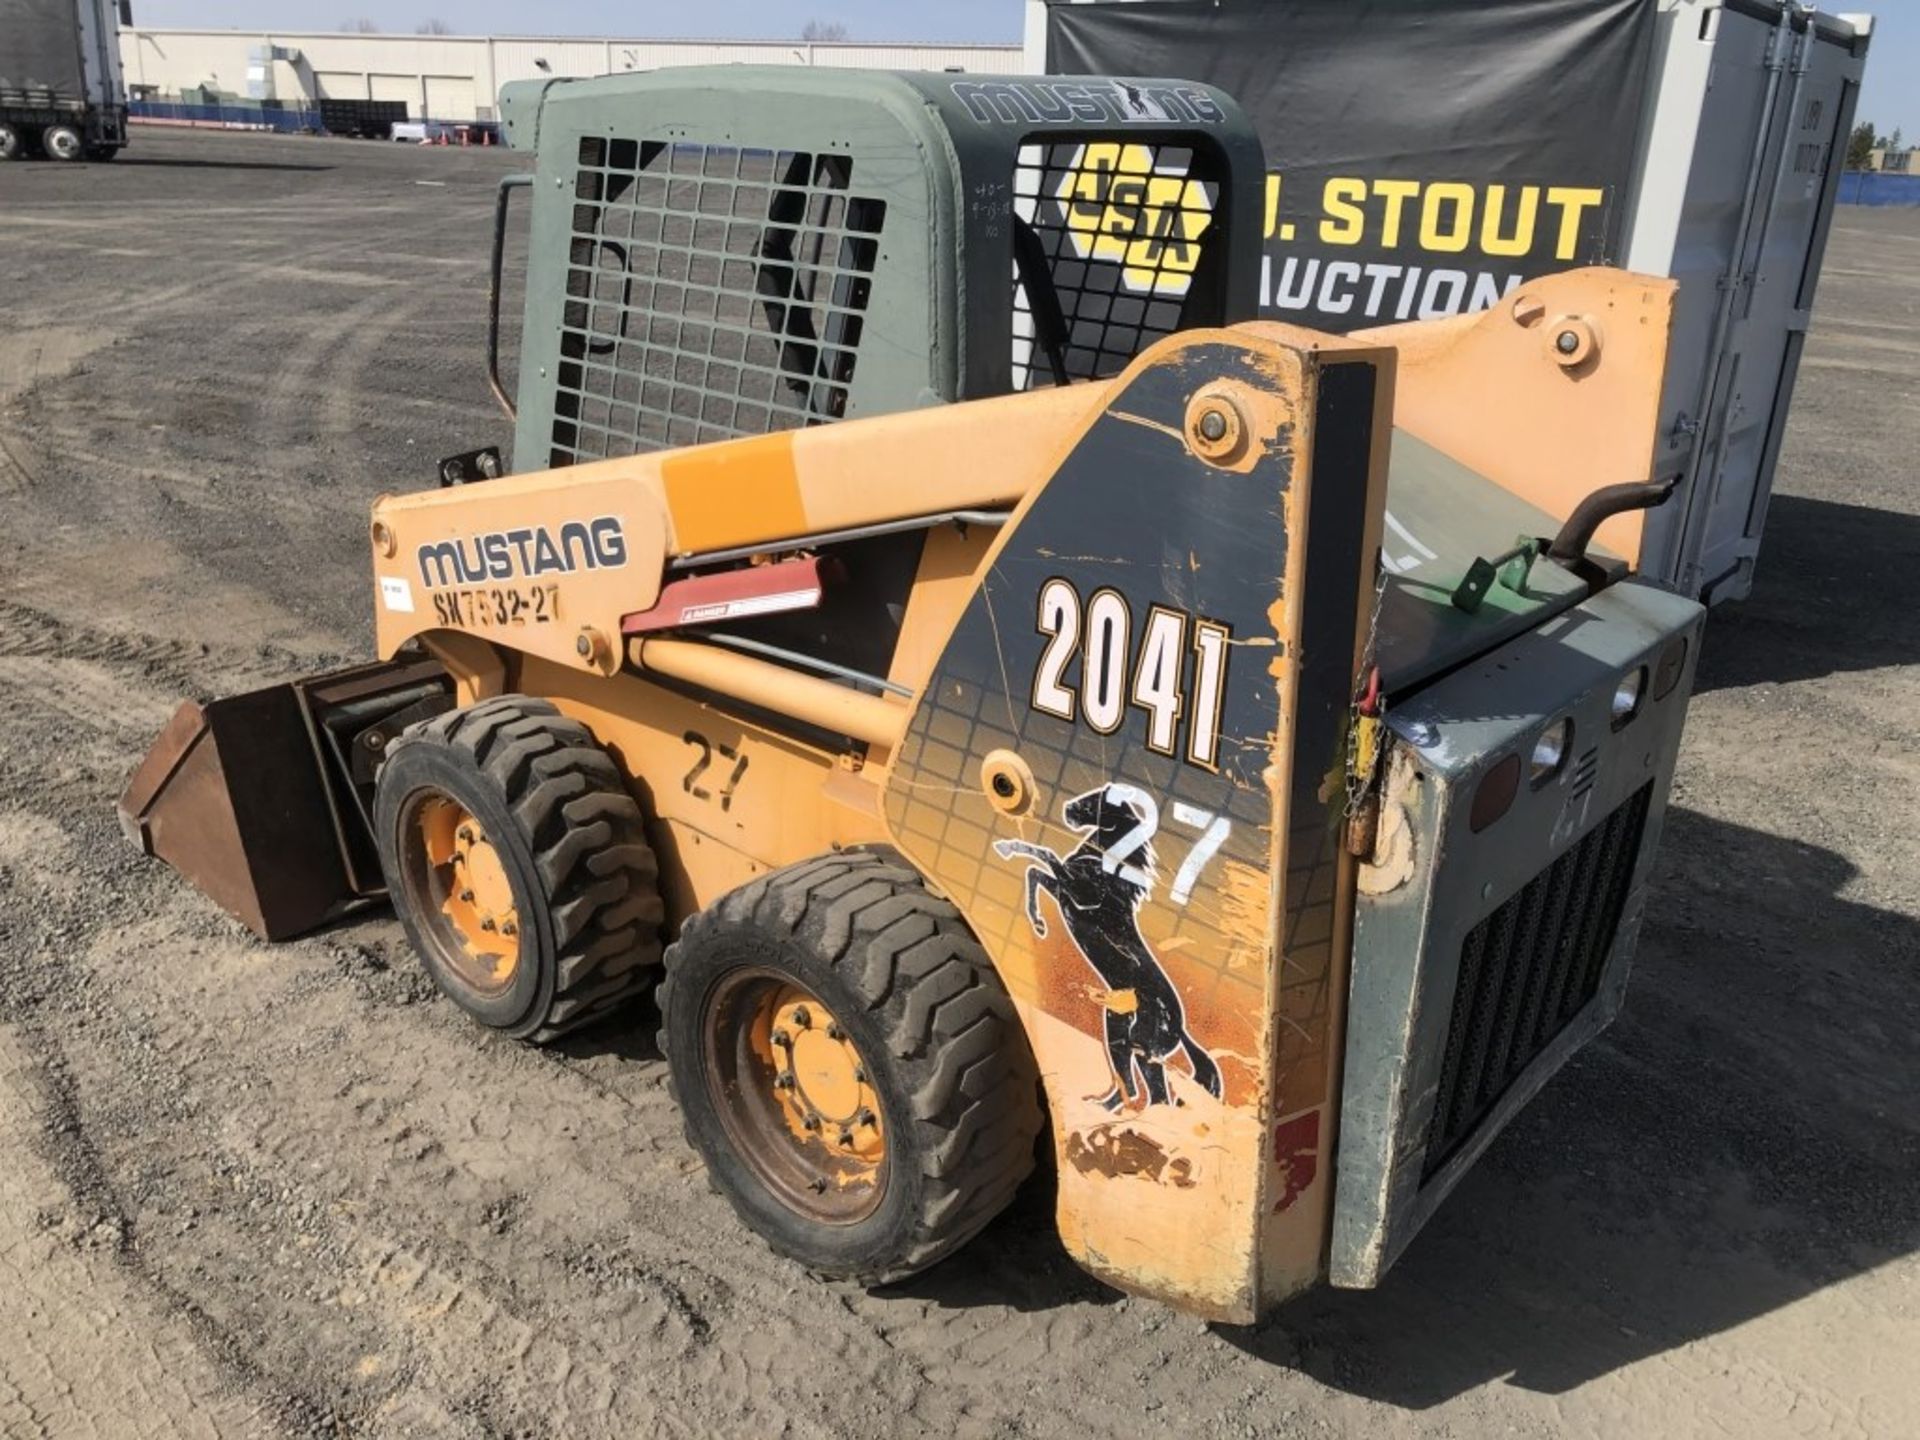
(267, 1191)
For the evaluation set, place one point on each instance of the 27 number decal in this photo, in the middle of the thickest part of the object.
(1120, 856)
(692, 782)
(1116, 672)
(1214, 830)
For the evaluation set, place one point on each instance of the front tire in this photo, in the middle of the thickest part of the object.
(849, 1066)
(62, 142)
(11, 146)
(518, 863)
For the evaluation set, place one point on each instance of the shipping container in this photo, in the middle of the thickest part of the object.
(1741, 153)
(1739, 136)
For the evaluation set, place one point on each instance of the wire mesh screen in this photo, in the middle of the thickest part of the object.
(1113, 247)
(712, 292)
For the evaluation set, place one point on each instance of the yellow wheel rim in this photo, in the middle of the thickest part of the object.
(796, 1096)
(470, 900)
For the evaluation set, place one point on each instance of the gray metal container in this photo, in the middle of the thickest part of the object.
(1741, 152)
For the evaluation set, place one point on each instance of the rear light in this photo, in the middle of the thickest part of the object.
(1550, 753)
(1627, 695)
(1666, 674)
(1493, 796)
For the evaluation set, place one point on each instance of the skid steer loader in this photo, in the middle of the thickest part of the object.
(1027, 694)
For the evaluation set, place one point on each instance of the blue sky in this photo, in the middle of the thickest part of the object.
(1891, 96)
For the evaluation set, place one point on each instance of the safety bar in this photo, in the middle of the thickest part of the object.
(507, 187)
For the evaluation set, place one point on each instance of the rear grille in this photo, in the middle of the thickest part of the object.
(713, 291)
(1528, 969)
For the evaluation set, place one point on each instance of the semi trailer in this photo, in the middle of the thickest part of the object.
(61, 91)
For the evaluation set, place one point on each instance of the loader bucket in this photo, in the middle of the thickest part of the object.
(262, 800)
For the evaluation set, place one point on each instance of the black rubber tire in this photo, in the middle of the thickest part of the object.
(100, 154)
(12, 146)
(902, 972)
(62, 142)
(573, 843)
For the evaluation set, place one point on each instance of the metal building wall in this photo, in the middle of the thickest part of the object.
(428, 70)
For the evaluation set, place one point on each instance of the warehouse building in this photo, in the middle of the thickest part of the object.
(458, 77)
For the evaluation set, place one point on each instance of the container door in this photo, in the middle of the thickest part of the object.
(1768, 118)
(1779, 273)
(100, 51)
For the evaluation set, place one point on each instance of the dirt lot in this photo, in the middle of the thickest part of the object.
(252, 1191)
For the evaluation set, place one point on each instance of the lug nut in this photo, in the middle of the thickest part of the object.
(866, 1117)
(466, 897)
(859, 1074)
(507, 927)
(811, 1122)
(784, 1080)
(846, 1138)
(466, 833)
(783, 1040)
(802, 1016)
(818, 1185)
(486, 923)
(834, 1032)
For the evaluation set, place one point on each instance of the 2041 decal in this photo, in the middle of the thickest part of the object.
(1121, 665)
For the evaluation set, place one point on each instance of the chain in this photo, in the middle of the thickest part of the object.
(1368, 730)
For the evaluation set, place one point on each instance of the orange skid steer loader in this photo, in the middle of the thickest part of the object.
(1021, 695)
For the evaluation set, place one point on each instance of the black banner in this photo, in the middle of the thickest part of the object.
(1425, 157)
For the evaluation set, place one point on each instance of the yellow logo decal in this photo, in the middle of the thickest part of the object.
(1124, 210)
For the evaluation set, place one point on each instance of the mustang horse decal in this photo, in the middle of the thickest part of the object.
(1099, 888)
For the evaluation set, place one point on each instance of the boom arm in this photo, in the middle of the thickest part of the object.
(552, 563)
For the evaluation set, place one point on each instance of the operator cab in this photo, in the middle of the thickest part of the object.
(755, 250)
(727, 253)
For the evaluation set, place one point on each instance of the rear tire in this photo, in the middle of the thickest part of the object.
(62, 142)
(511, 799)
(11, 146)
(900, 982)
